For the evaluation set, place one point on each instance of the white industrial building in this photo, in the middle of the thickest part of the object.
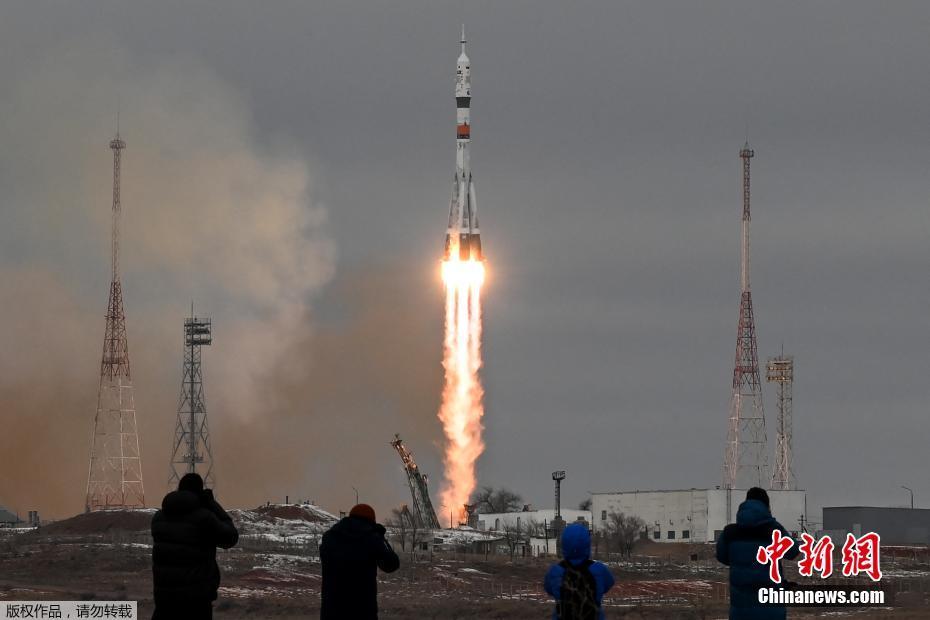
(693, 515)
(497, 521)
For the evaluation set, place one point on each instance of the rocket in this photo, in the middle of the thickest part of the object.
(463, 235)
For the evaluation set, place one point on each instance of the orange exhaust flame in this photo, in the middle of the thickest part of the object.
(462, 395)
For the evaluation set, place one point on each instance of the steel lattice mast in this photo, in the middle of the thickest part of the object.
(114, 478)
(745, 462)
(423, 510)
(191, 446)
(780, 370)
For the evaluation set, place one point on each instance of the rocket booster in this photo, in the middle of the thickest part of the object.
(463, 235)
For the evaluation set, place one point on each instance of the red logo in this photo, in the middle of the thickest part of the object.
(773, 553)
(861, 555)
(818, 556)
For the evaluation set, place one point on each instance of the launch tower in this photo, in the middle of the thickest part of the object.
(423, 510)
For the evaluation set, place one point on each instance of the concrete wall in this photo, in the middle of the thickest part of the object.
(670, 516)
(787, 508)
(691, 515)
(896, 526)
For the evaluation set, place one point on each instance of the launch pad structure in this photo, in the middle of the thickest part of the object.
(423, 511)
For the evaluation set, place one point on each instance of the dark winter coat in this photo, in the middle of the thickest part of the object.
(186, 532)
(737, 547)
(351, 552)
(576, 548)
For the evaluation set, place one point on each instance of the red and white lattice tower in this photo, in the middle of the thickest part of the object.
(745, 463)
(115, 476)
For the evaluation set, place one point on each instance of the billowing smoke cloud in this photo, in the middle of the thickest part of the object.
(213, 216)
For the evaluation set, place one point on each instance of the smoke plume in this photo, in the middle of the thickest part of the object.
(211, 215)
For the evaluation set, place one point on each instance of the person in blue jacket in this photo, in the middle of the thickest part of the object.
(737, 547)
(577, 583)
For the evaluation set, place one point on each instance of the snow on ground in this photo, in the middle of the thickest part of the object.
(283, 523)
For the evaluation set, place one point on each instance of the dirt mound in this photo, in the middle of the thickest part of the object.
(296, 512)
(102, 521)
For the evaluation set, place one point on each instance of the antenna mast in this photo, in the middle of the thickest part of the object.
(114, 478)
(745, 459)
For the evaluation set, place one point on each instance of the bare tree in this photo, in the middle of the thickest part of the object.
(399, 524)
(419, 537)
(532, 528)
(415, 533)
(585, 504)
(624, 531)
(598, 537)
(513, 535)
(489, 500)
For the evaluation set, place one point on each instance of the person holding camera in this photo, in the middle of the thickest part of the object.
(351, 553)
(186, 532)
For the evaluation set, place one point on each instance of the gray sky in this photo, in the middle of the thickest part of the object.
(605, 158)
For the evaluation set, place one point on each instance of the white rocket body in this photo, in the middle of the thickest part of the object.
(463, 235)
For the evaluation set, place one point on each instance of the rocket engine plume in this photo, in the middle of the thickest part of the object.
(462, 275)
(462, 407)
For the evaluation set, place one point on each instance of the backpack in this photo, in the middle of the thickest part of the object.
(577, 594)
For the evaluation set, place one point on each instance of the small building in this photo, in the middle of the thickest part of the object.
(539, 519)
(692, 515)
(8, 519)
(896, 526)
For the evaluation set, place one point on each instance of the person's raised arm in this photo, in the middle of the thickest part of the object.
(384, 554)
(225, 534)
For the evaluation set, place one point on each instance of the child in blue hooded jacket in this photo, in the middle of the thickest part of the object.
(576, 549)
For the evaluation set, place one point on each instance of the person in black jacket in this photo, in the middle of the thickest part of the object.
(186, 532)
(351, 552)
(737, 547)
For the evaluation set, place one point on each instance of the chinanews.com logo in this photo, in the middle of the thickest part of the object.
(860, 556)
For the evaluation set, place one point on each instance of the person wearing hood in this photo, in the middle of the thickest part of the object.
(577, 583)
(185, 533)
(737, 547)
(351, 553)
